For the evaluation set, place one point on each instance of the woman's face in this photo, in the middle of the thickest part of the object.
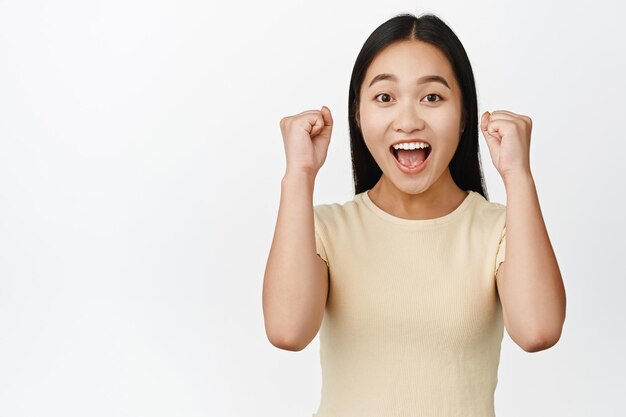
(405, 106)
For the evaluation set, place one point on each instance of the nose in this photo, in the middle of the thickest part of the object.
(408, 118)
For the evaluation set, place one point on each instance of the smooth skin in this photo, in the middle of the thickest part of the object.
(391, 110)
(295, 286)
(529, 281)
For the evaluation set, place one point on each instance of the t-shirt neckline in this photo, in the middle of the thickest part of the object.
(364, 197)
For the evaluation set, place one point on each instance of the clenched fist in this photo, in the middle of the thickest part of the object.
(306, 137)
(508, 139)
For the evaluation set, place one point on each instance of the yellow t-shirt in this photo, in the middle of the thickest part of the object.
(413, 324)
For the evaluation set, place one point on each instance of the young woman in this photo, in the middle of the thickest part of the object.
(408, 281)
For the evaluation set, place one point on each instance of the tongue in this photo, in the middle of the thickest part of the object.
(411, 158)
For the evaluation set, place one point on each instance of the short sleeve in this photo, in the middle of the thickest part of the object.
(501, 250)
(319, 244)
(319, 248)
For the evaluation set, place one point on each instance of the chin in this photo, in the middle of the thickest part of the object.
(413, 188)
(410, 185)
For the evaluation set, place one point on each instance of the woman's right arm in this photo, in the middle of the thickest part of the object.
(296, 278)
(295, 285)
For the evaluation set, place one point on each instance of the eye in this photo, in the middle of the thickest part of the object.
(383, 95)
(433, 95)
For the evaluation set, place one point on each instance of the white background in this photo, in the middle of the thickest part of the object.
(140, 168)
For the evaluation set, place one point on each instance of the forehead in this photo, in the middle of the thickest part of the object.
(409, 60)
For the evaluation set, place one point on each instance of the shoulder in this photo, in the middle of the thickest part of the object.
(488, 207)
(330, 214)
(489, 212)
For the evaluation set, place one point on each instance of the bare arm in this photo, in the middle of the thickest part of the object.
(295, 285)
(529, 281)
(296, 278)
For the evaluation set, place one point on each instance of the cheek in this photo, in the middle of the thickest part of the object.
(373, 136)
(448, 124)
(446, 119)
(372, 124)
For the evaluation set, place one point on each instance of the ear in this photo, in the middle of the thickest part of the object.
(357, 118)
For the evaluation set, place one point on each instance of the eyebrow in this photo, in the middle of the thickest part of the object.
(421, 80)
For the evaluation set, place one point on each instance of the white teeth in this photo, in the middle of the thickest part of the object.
(411, 145)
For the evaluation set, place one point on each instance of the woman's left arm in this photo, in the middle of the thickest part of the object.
(529, 281)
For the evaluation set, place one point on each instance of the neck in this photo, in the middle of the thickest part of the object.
(439, 199)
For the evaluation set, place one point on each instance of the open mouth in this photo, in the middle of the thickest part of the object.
(411, 158)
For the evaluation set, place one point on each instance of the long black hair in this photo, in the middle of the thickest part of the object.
(465, 166)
